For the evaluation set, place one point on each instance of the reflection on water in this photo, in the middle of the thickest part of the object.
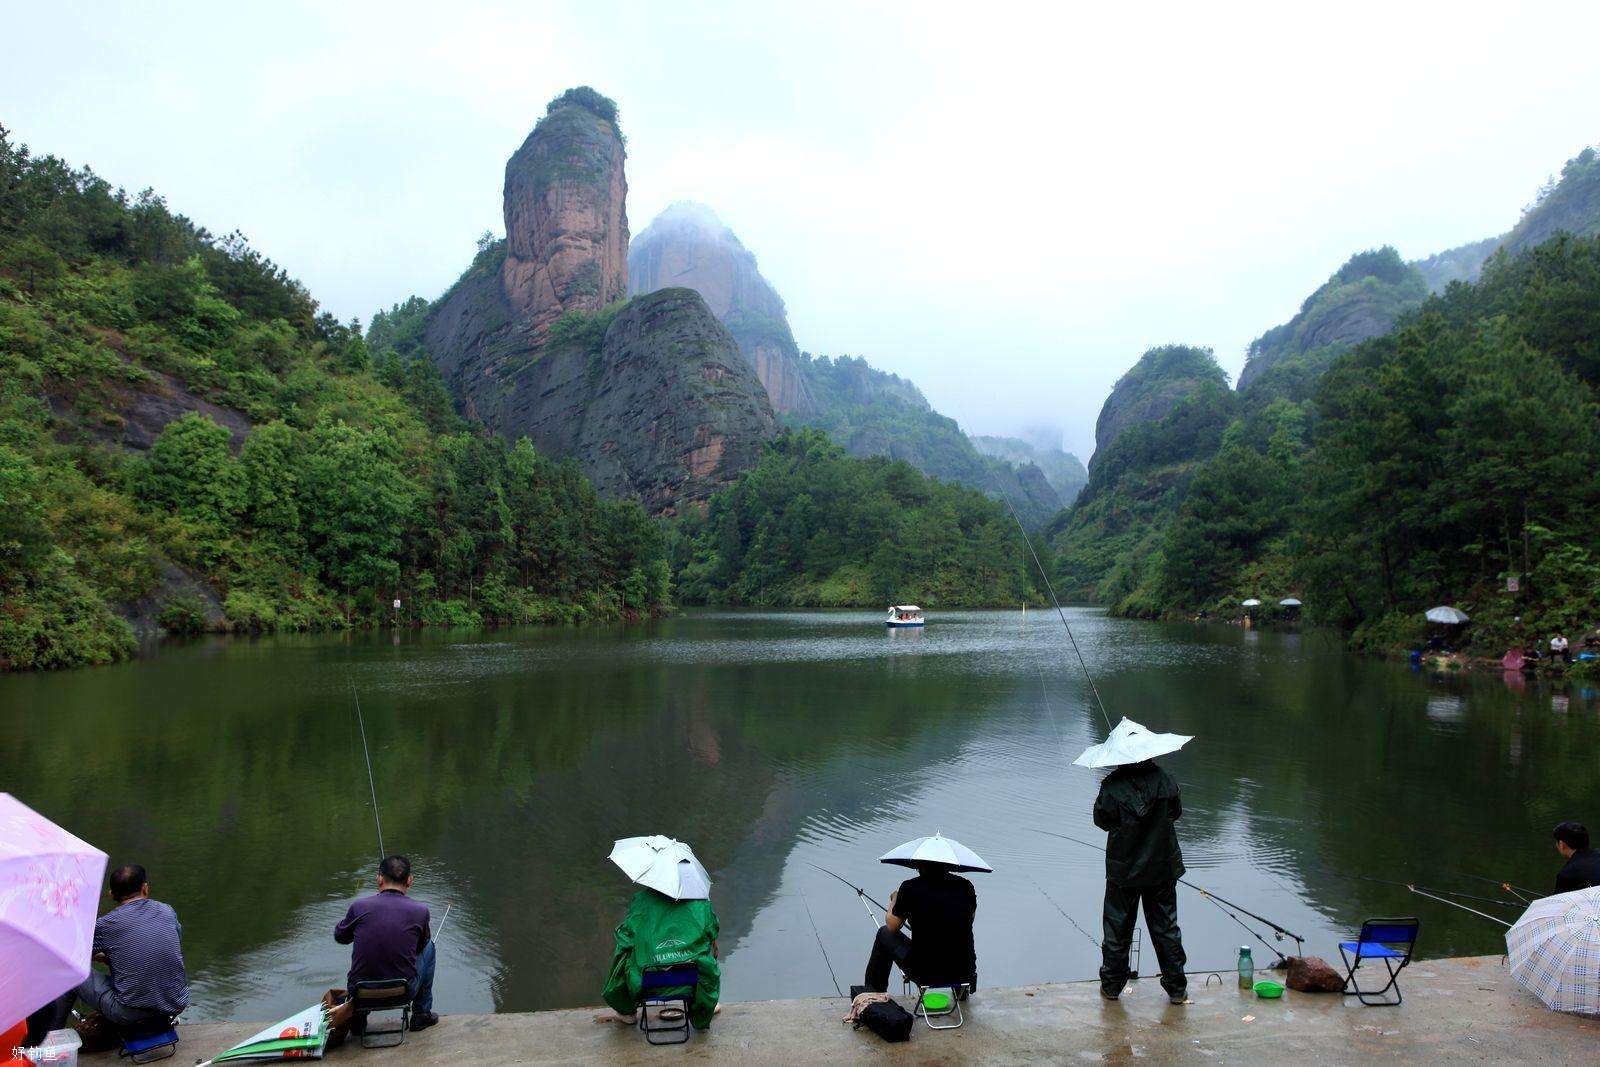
(507, 762)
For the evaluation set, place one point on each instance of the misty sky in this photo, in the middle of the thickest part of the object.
(1005, 205)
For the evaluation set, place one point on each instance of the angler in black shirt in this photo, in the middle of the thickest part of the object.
(939, 905)
(1582, 868)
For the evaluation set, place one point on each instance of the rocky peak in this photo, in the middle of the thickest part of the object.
(1155, 385)
(653, 397)
(687, 245)
(565, 212)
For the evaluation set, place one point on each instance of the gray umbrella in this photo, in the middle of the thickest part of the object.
(1447, 615)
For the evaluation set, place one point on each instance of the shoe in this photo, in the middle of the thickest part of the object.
(421, 1020)
(1181, 998)
(1109, 995)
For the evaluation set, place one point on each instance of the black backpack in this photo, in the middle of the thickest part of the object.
(886, 1019)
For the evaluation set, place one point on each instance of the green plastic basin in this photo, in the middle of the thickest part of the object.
(935, 1001)
(1269, 990)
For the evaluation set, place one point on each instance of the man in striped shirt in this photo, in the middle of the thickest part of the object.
(145, 984)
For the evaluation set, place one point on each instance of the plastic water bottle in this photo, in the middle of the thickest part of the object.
(1247, 968)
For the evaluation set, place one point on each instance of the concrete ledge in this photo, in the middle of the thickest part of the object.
(1460, 1010)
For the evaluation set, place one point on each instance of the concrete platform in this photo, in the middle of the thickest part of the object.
(1461, 1010)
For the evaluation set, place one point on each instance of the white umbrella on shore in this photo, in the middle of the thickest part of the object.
(1288, 602)
(1447, 615)
(1129, 742)
(663, 864)
(1251, 603)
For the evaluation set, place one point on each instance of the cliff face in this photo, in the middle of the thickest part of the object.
(687, 245)
(1361, 300)
(652, 398)
(566, 215)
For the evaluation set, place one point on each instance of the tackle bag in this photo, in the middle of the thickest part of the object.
(886, 1019)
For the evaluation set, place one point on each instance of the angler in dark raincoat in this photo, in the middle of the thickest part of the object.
(1137, 807)
(661, 932)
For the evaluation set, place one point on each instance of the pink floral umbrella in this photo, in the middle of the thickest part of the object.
(49, 886)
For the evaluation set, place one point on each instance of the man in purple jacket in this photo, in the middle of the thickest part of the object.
(389, 938)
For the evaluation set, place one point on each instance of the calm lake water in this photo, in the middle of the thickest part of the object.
(507, 762)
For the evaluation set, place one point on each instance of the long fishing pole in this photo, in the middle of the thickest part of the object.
(862, 893)
(371, 782)
(442, 921)
(1522, 893)
(1442, 892)
(1006, 497)
(1208, 894)
(820, 945)
(1453, 904)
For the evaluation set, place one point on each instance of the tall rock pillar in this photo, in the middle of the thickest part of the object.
(566, 214)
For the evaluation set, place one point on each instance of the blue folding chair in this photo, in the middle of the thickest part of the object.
(670, 990)
(149, 1045)
(1389, 940)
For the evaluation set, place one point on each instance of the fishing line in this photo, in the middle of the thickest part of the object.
(820, 945)
(1063, 912)
(371, 782)
(1004, 496)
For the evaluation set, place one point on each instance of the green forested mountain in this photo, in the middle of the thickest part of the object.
(812, 526)
(1569, 203)
(874, 413)
(1430, 464)
(1362, 299)
(1162, 420)
(184, 438)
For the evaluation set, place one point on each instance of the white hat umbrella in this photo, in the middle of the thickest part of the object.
(1447, 615)
(939, 849)
(1250, 603)
(660, 863)
(1288, 602)
(1554, 951)
(1130, 742)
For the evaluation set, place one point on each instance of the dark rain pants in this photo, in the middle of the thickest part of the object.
(1160, 918)
(888, 947)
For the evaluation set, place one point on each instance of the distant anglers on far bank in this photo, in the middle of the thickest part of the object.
(904, 616)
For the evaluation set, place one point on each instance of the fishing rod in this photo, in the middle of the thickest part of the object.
(442, 921)
(1443, 892)
(1522, 893)
(862, 893)
(820, 945)
(1280, 931)
(1006, 497)
(371, 782)
(1453, 904)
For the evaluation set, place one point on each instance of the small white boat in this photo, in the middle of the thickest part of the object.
(903, 615)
